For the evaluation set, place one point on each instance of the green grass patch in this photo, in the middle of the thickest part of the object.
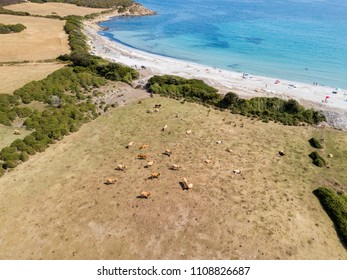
(336, 207)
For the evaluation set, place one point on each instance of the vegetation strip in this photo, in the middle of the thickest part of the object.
(267, 109)
(336, 207)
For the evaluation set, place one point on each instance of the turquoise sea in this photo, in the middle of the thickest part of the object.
(300, 40)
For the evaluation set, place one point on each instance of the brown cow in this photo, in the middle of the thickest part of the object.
(110, 181)
(141, 156)
(144, 194)
(154, 175)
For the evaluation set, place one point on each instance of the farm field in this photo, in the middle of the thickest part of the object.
(57, 202)
(45, 9)
(17, 75)
(42, 39)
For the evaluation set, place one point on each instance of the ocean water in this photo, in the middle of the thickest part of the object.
(300, 40)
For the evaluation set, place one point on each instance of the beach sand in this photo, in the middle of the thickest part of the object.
(247, 86)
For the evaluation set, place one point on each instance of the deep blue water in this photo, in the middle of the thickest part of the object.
(297, 40)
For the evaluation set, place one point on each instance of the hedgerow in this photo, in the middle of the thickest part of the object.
(267, 109)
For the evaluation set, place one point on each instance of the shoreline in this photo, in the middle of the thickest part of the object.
(248, 86)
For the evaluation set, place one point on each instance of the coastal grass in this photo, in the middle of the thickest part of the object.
(264, 108)
(270, 204)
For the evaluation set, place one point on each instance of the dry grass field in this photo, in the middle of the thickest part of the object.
(17, 75)
(60, 9)
(56, 205)
(42, 39)
(7, 135)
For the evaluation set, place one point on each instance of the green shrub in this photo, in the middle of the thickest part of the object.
(11, 28)
(9, 164)
(317, 159)
(2, 171)
(314, 142)
(336, 207)
(24, 156)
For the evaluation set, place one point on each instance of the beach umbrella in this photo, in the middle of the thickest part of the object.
(327, 97)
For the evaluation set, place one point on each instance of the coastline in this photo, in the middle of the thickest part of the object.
(309, 95)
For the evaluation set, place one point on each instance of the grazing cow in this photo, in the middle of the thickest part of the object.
(144, 146)
(16, 132)
(175, 167)
(219, 142)
(121, 167)
(110, 181)
(236, 171)
(141, 156)
(129, 145)
(186, 186)
(207, 161)
(157, 105)
(149, 163)
(164, 128)
(167, 152)
(188, 132)
(154, 175)
(144, 194)
(156, 110)
(330, 155)
(229, 150)
(150, 111)
(281, 153)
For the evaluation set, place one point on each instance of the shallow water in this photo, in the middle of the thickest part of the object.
(297, 40)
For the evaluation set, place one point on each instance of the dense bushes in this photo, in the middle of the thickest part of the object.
(174, 86)
(314, 142)
(336, 207)
(56, 84)
(317, 159)
(287, 112)
(11, 28)
(8, 110)
(85, 62)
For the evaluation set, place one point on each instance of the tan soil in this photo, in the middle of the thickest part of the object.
(42, 39)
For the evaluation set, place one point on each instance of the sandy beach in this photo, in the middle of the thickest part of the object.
(246, 86)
